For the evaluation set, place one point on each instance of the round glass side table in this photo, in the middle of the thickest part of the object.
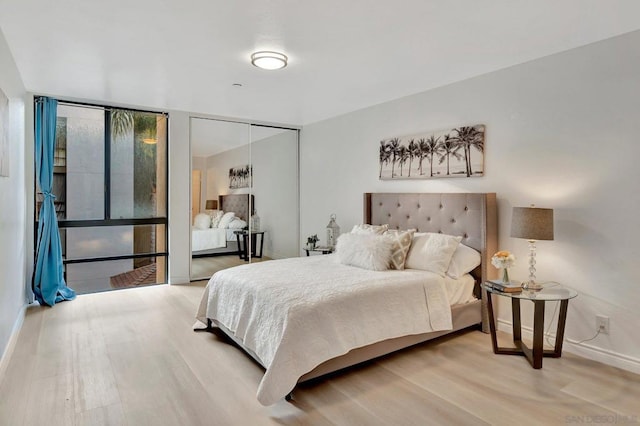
(551, 292)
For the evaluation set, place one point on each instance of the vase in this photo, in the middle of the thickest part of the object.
(505, 275)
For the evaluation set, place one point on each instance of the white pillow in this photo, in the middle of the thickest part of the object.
(215, 218)
(237, 223)
(202, 221)
(401, 244)
(364, 251)
(226, 220)
(432, 252)
(369, 229)
(464, 260)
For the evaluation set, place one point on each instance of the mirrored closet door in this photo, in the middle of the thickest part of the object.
(274, 157)
(244, 194)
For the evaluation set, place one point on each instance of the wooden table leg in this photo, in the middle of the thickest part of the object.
(492, 321)
(562, 319)
(516, 324)
(261, 244)
(239, 246)
(538, 333)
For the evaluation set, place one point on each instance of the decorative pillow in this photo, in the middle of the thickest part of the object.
(369, 229)
(237, 223)
(202, 221)
(226, 219)
(464, 260)
(364, 251)
(401, 245)
(432, 252)
(216, 215)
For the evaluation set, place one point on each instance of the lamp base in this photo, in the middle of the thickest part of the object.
(531, 285)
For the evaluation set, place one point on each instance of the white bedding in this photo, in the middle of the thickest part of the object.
(210, 238)
(296, 313)
(460, 291)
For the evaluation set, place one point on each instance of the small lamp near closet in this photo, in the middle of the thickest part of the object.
(532, 224)
(211, 205)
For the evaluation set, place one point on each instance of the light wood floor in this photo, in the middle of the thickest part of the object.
(130, 357)
(205, 267)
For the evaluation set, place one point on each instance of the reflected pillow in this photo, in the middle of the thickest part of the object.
(202, 221)
(237, 223)
(226, 220)
(369, 229)
(464, 260)
(215, 218)
(367, 251)
(432, 252)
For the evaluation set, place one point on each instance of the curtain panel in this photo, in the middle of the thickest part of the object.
(49, 286)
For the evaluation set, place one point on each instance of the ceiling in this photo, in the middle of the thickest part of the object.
(344, 55)
(211, 137)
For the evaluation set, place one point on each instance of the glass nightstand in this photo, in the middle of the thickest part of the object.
(551, 292)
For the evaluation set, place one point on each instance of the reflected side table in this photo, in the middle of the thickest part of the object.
(534, 354)
(242, 237)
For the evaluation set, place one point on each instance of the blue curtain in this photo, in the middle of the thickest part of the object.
(49, 286)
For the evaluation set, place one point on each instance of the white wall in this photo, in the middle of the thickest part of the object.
(217, 174)
(562, 132)
(179, 198)
(13, 249)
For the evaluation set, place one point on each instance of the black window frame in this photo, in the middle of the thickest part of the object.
(107, 221)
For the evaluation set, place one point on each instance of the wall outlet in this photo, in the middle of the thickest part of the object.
(602, 324)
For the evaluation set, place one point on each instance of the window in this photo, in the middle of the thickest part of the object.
(110, 183)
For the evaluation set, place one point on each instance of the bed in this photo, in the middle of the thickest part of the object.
(218, 241)
(351, 315)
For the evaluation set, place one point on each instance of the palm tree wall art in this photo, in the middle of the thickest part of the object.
(240, 177)
(458, 152)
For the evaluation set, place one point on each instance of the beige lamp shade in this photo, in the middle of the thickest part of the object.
(532, 223)
(211, 205)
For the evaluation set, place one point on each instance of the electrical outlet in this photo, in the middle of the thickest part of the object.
(602, 324)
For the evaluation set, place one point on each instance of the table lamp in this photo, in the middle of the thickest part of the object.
(211, 205)
(532, 223)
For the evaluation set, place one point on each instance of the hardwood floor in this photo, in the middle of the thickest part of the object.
(131, 357)
(205, 267)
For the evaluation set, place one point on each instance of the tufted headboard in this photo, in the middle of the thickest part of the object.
(240, 204)
(472, 216)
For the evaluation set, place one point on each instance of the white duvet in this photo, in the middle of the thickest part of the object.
(210, 238)
(296, 313)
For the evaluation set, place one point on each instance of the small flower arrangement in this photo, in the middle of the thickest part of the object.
(503, 259)
(312, 240)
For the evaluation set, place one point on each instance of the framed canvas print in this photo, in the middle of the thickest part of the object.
(240, 177)
(457, 152)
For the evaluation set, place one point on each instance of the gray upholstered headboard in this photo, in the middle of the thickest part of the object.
(472, 216)
(240, 204)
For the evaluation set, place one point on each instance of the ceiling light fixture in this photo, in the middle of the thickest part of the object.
(269, 60)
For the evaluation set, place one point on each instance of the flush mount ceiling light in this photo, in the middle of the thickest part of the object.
(269, 60)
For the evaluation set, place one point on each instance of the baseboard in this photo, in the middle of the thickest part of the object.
(604, 356)
(594, 353)
(11, 344)
(179, 280)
